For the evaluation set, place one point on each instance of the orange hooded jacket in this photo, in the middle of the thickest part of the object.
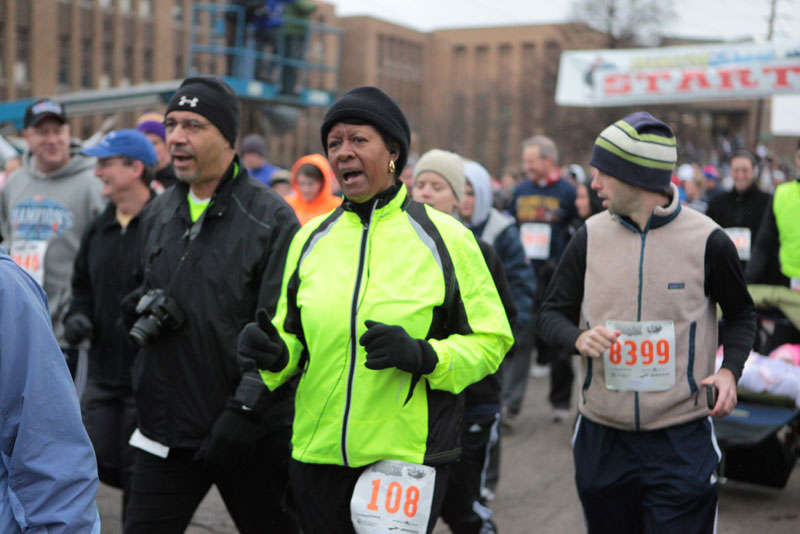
(324, 202)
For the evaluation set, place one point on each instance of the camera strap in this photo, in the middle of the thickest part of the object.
(190, 234)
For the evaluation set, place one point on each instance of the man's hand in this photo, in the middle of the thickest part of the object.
(77, 327)
(595, 341)
(725, 385)
(232, 441)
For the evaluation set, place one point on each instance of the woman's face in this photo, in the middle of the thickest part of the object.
(360, 160)
(467, 206)
(582, 203)
(432, 189)
(309, 187)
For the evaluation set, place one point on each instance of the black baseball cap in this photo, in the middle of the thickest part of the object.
(42, 109)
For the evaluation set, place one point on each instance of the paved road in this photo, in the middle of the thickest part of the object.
(536, 492)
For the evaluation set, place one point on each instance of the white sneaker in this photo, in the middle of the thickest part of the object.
(559, 415)
(539, 371)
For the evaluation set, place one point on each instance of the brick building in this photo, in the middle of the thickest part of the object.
(477, 91)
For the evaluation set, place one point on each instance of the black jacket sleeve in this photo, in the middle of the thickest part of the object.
(560, 311)
(495, 265)
(724, 283)
(765, 248)
(286, 226)
(82, 301)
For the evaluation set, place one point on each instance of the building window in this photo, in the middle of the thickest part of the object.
(127, 61)
(177, 10)
(145, 8)
(124, 6)
(86, 61)
(105, 3)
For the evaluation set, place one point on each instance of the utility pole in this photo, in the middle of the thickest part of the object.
(761, 101)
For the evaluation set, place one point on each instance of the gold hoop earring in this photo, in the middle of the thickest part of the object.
(391, 166)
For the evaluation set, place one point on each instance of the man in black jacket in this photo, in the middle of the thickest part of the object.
(102, 272)
(212, 251)
(740, 210)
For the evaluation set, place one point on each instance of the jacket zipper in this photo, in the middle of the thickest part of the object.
(353, 341)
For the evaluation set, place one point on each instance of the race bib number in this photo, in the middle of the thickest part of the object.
(742, 240)
(30, 256)
(536, 240)
(643, 357)
(393, 496)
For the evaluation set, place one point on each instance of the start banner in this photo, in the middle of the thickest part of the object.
(677, 74)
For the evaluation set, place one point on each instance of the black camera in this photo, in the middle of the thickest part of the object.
(158, 312)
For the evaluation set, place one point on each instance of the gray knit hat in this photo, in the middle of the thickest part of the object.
(448, 165)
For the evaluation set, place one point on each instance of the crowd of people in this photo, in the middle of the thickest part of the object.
(336, 347)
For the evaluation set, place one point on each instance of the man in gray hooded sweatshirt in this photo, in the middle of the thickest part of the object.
(46, 205)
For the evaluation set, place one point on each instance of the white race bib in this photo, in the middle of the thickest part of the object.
(643, 358)
(393, 496)
(140, 441)
(536, 240)
(742, 240)
(30, 256)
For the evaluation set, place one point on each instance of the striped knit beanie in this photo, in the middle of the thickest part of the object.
(639, 150)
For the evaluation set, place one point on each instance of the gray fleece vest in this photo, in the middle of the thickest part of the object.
(654, 275)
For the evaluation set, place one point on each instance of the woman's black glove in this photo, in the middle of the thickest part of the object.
(391, 346)
(77, 327)
(260, 346)
(232, 441)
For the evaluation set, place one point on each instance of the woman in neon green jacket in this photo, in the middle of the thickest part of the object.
(388, 310)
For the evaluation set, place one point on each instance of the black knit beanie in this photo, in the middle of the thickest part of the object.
(212, 98)
(376, 108)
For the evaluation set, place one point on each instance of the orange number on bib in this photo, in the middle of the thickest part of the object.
(631, 352)
(647, 352)
(412, 500)
(396, 489)
(662, 350)
(615, 355)
(394, 496)
(373, 502)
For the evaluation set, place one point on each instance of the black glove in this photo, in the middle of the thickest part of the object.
(77, 327)
(127, 308)
(391, 346)
(260, 346)
(231, 444)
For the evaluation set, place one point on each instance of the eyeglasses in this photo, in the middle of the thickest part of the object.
(189, 126)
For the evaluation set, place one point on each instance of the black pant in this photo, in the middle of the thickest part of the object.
(658, 481)
(462, 510)
(561, 373)
(323, 494)
(166, 492)
(109, 415)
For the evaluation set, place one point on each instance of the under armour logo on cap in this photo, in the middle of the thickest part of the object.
(191, 101)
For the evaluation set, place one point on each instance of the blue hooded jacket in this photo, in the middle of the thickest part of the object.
(48, 471)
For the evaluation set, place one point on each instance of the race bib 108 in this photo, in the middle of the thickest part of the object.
(393, 496)
(643, 357)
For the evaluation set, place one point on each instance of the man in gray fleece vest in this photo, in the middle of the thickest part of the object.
(635, 295)
(45, 207)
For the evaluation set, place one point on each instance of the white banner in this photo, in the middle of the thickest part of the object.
(677, 74)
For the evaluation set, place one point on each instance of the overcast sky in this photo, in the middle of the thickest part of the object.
(725, 19)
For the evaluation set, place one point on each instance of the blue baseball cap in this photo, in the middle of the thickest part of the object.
(130, 143)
